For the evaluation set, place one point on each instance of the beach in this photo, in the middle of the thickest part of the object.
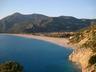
(58, 41)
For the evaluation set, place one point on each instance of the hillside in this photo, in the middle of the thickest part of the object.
(19, 23)
(86, 53)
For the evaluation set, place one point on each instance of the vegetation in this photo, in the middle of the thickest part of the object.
(95, 67)
(60, 34)
(76, 38)
(86, 38)
(56, 34)
(91, 43)
(11, 66)
(88, 33)
(92, 60)
(19, 23)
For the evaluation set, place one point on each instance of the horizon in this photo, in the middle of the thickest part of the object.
(79, 9)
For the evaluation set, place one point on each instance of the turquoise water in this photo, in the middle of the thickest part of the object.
(36, 55)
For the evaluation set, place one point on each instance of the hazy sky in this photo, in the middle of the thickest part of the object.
(76, 8)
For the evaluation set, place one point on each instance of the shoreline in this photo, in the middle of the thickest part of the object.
(63, 42)
(58, 41)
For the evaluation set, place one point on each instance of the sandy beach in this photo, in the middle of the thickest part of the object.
(59, 41)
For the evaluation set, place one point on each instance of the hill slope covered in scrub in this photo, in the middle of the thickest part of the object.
(86, 53)
(19, 23)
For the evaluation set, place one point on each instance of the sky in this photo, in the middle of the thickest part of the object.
(76, 8)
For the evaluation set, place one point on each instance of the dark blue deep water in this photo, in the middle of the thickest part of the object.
(36, 55)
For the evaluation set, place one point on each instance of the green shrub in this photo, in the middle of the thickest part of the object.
(92, 60)
(11, 66)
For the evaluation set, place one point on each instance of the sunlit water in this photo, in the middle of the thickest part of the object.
(36, 55)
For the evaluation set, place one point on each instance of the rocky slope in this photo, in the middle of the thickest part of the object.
(85, 54)
(18, 23)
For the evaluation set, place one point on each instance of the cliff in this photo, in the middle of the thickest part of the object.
(85, 54)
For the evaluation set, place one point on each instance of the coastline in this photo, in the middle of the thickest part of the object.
(58, 41)
(63, 42)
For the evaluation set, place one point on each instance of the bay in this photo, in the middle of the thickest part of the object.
(36, 55)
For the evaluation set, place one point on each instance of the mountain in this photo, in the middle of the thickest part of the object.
(85, 54)
(18, 23)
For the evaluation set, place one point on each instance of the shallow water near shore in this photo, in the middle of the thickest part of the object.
(36, 55)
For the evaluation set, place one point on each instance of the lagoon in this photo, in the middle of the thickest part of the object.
(36, 55)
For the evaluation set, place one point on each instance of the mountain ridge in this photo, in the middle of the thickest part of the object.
(19, 23)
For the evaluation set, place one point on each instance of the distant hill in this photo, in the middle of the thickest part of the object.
(19, 23)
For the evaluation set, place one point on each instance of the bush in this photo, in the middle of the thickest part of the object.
(11, 66)
(92, 60)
